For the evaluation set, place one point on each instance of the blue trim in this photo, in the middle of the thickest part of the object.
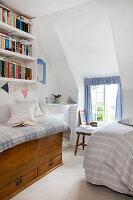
(102, 80)
(41, 62)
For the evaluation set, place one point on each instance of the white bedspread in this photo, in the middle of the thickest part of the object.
(102, 154)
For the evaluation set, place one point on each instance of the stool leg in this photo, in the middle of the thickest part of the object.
(76, 146)
(83, 142)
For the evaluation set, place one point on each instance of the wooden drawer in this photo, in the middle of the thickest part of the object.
(17, 184)
(49, 165)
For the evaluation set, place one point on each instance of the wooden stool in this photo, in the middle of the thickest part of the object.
(83, 140)
(87, 130)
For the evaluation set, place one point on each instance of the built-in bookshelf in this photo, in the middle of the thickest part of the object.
(27, 60)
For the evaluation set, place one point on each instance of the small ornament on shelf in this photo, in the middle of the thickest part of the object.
(56, 98)
(70, 101)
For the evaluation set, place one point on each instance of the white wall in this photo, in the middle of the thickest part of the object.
(59, 70)
(45, 90)
(127, 103)
(121, 18)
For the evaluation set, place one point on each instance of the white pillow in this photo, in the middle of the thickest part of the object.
(37, 111)
(127, 121)
(21, 112)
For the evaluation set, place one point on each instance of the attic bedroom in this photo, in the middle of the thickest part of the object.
(66, 93)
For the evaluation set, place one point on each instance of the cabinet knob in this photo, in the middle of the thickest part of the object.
(50, 163)
(19, 181)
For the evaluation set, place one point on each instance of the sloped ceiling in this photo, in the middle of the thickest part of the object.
(86, 35)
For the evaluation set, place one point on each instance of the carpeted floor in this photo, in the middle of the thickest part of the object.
(68, 183)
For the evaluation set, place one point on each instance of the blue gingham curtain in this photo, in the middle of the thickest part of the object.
(88, 82)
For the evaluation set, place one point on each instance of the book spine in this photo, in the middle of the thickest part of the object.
(19, 72)
(5, 16)
(17, 75)
(20, 68)
(25, 73)
(14, 71)
(0, 68)
(6, 68)
(27, 50)
(17, 23)
(1, 14)
(20, 24)
(22, 49)
(10, 70)
(6, 44)
(0, 42)
(8, 18)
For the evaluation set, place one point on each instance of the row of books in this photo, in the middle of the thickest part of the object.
(24, 47)
(6, 15)
(9, 43)
(19, 22)
(23, 24)
(11, 69)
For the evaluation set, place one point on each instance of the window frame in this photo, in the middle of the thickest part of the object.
(104, 104)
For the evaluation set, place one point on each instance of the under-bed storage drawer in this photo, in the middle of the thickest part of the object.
(17, 184)
(50, 165)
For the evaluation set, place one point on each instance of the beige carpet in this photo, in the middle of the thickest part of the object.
(68, 183)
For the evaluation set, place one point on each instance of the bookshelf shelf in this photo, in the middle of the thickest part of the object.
(16, 80)
(23, 41)
(15, 31)
(12, 54)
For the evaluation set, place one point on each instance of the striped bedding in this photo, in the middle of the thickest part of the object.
(10, 137)
(109, 158)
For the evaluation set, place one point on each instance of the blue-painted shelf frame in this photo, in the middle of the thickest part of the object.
(41, 62)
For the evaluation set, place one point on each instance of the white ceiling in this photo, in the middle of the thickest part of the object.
(36, 8)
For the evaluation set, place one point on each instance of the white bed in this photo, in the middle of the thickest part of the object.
(100, 147)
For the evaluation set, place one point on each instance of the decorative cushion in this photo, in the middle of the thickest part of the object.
(37, 111)
(21, 112)
(127, 121)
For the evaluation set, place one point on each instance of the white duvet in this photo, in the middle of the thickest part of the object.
(102, 154)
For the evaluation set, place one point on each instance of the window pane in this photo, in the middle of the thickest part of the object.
(110, 104)
(94, 117)
(100, 97)
(99, 107)
(100, 88)
(99, 117)
(94, 108)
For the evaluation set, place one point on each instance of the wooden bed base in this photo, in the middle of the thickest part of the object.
(22, 165)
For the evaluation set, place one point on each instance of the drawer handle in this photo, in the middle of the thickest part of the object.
(50, 163)
(19, 181)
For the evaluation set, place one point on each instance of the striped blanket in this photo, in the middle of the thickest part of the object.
(10, 137)
(109, 158)
(120, 159)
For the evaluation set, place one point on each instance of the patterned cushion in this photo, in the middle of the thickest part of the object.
(21, 112)
(37, 111)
